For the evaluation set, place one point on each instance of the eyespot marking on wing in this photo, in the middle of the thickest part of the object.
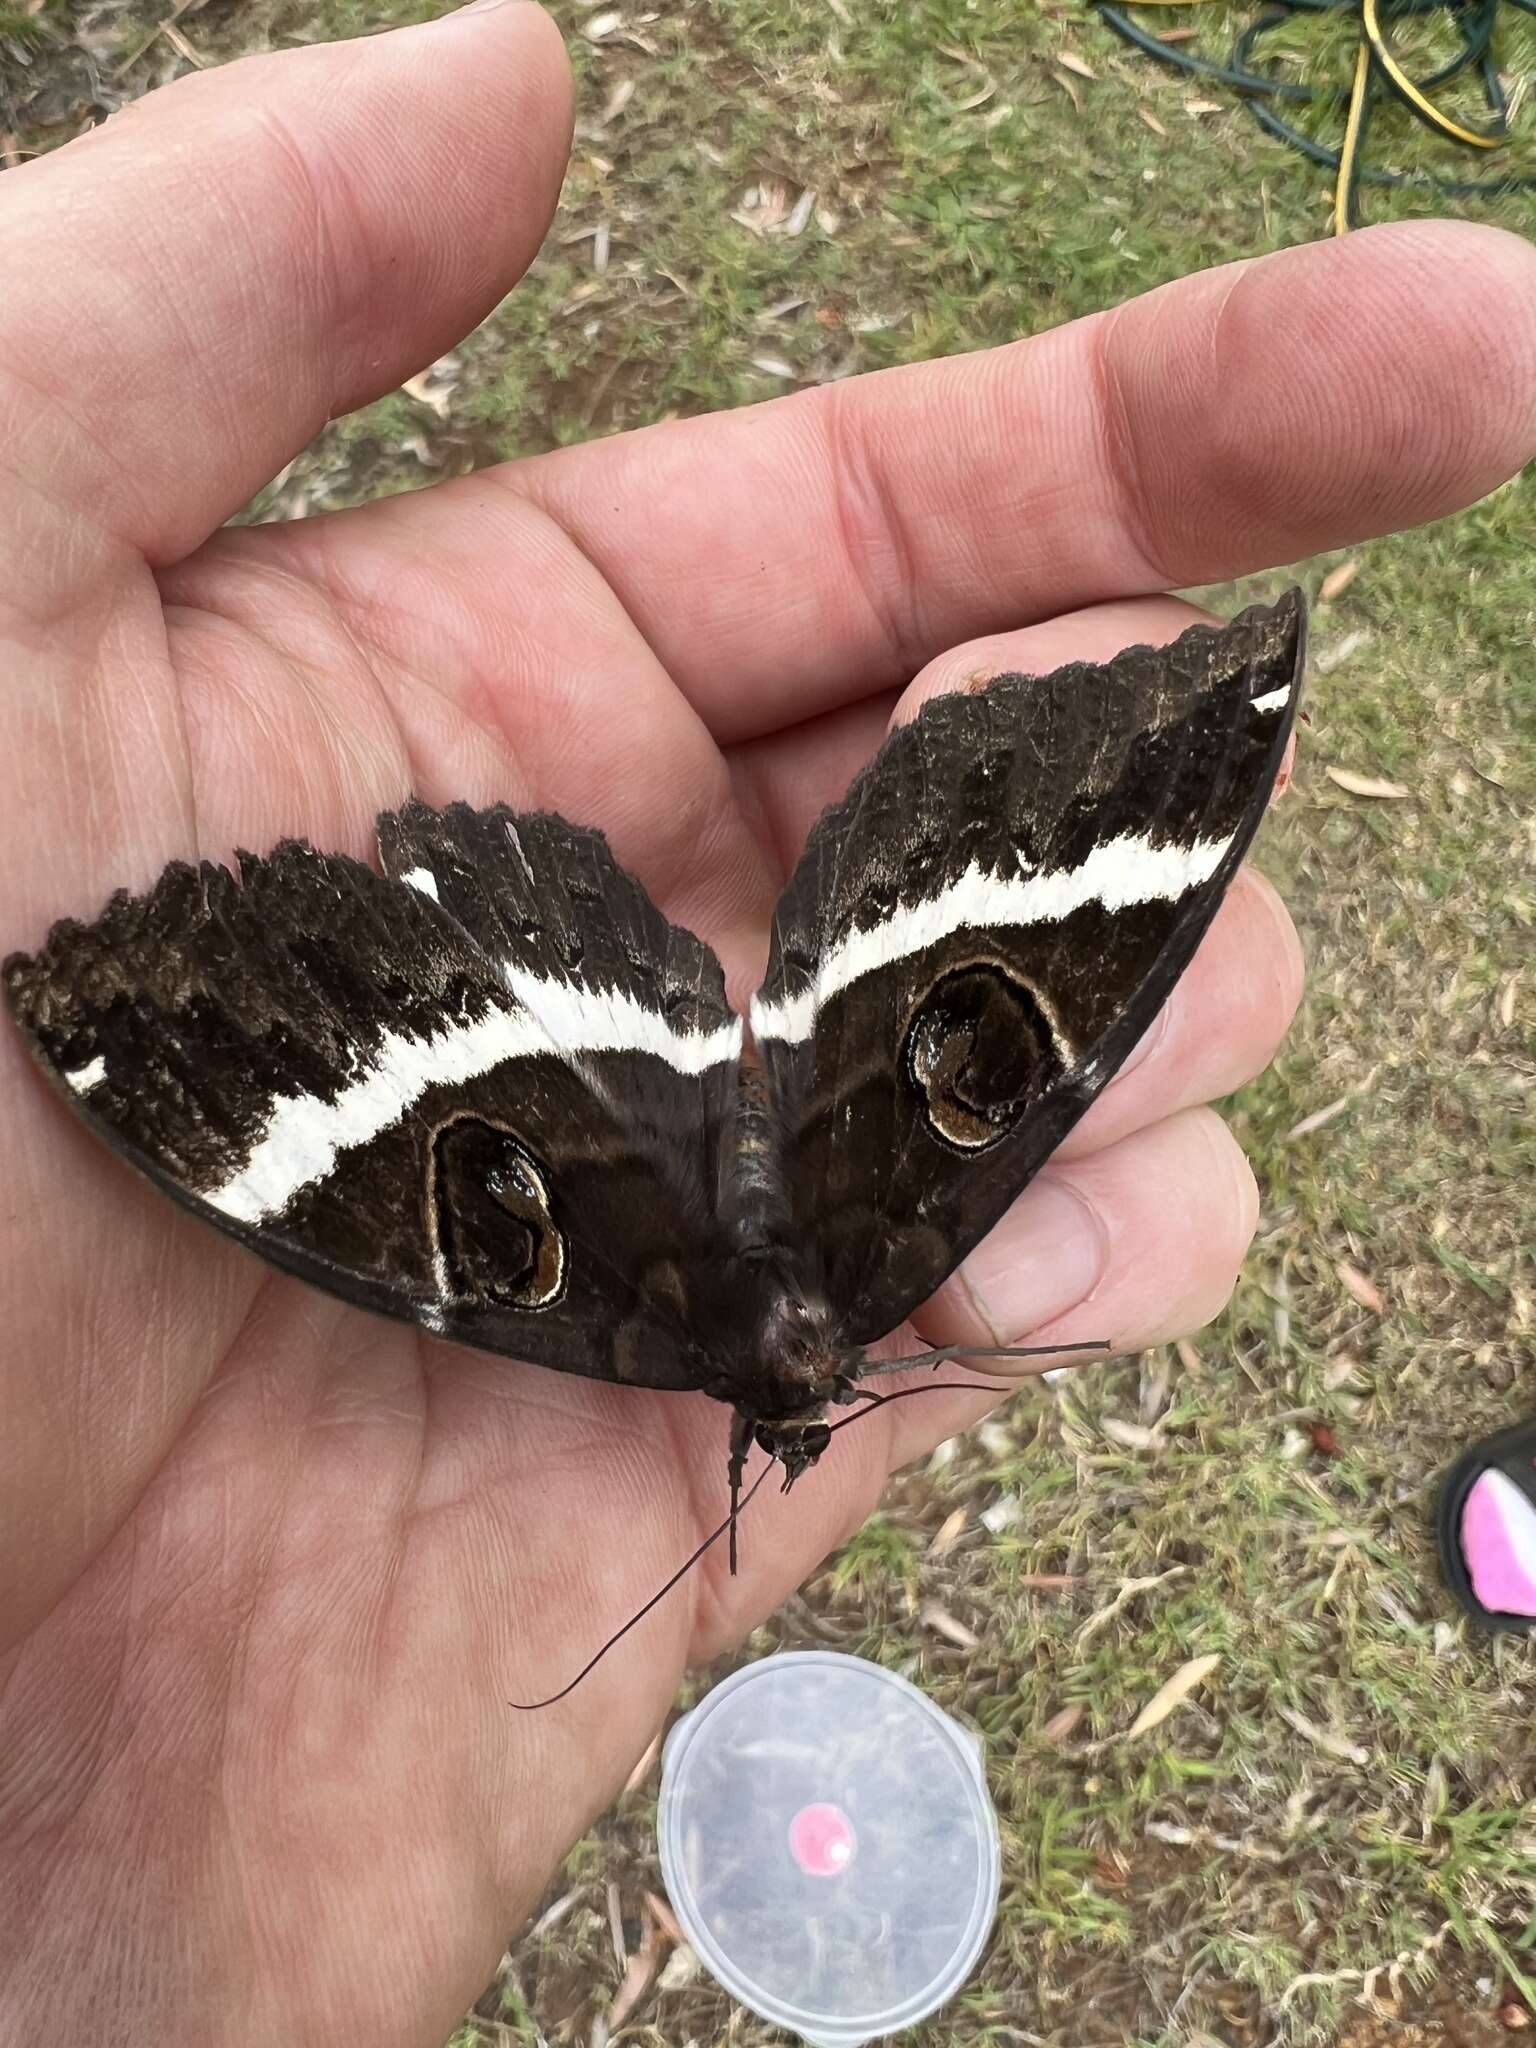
(980, 1048)
(494, 1237)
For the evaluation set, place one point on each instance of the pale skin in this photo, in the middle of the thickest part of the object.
(270, 1569)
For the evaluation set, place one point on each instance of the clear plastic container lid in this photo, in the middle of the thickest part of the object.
(828, 1845)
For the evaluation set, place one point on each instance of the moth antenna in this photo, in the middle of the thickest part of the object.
(950, 1386)
(941, 1352)
(905, 1394)
(1021, 1350)
(535, 1706)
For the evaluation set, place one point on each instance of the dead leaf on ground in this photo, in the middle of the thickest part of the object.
(1001, 1515)
(1327, 659)
(1203, 107)
(683, 1968)
(1338, 580)
(1364, 785)
(771, 207)
(1152, 121)
(434, 386)
(601, 26)
(182, 47)
(665, 1919)
(1316, 1120)
(642, 1770)
(1069, 89)
(1129, 1589)
(1156, 1372)
(1339, 1371)
(948, 1534)
(800, 214)
(616, 102)
(1063, 1724)
(1359, 1288)
(637, 1976)
(1172, 1695)
(1323, 1738)
(551, 1917)
(1132, 1436)
(1075, 64)
(1513, 2014)
(944, 1624)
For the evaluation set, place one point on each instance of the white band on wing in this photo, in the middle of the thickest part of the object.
(1117, 875)
(305, 1134)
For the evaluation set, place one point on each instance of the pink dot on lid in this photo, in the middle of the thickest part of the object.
(821, 1840)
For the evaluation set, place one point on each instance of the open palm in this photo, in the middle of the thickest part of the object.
(270, 1568)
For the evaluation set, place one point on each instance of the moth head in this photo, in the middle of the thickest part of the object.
(796, 1441)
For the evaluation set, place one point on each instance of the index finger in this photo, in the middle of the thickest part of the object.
(785, 559)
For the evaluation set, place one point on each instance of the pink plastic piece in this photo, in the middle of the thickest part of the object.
(1498, 1541)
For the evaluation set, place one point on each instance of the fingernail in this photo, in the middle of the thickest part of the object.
(1047, 1257)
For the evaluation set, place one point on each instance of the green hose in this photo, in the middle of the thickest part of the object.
(1378, 70)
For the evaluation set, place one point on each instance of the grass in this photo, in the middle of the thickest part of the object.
(1337, 1826)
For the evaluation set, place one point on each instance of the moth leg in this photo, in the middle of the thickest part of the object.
(743, 1423)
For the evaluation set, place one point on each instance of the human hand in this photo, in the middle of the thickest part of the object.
(270, 1568)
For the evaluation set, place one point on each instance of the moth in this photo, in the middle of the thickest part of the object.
(492, 1091)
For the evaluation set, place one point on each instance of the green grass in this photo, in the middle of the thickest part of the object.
(1343, 1810)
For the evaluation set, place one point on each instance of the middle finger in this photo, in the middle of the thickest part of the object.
(787, 558)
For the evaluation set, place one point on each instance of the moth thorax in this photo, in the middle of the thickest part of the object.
(797, 1347)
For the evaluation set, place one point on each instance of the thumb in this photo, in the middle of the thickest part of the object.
(253, 250)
